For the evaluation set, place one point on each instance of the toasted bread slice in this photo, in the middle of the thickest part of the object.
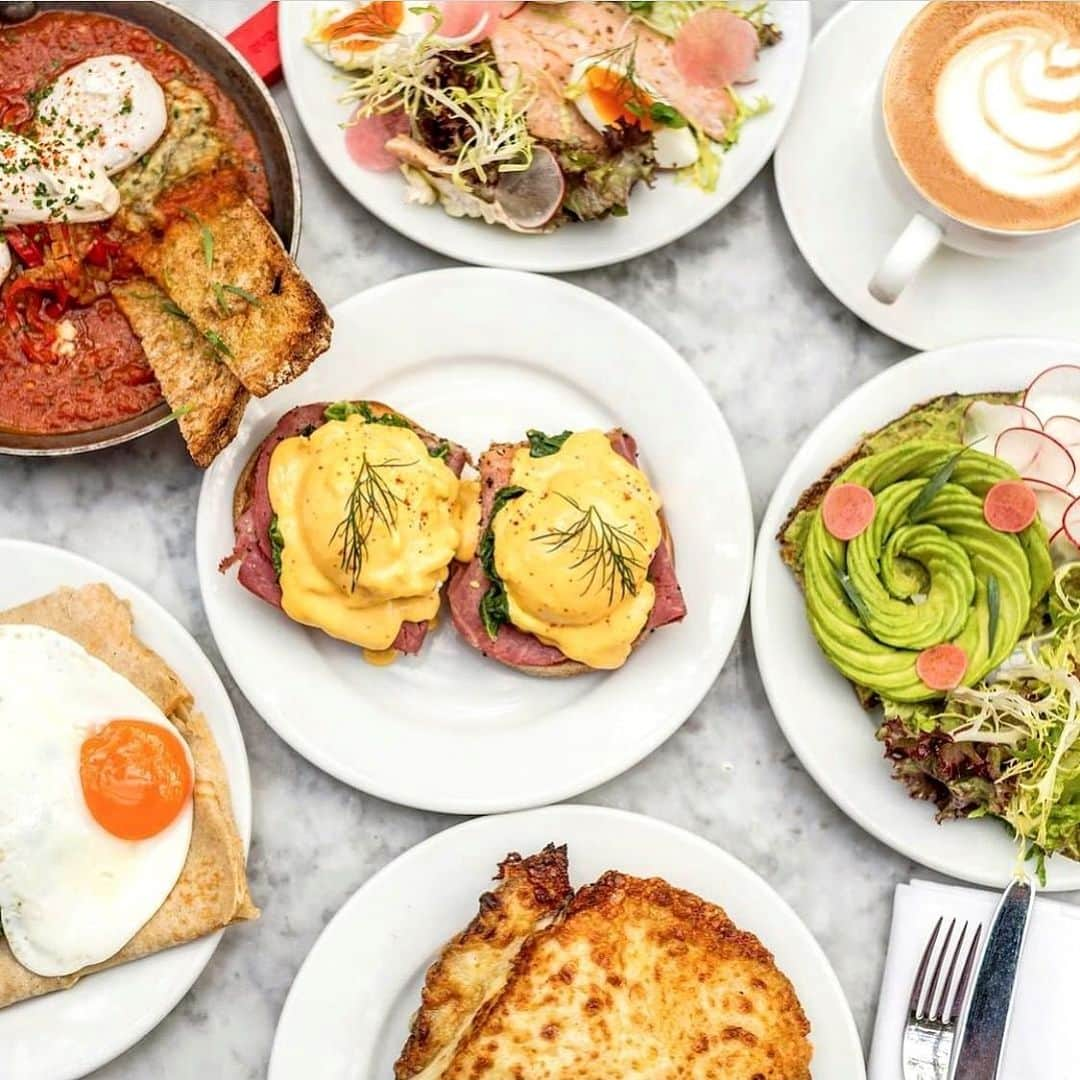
(475, 965)
(225, 269)
(207, 396)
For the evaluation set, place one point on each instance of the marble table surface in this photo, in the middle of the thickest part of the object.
(737, 300)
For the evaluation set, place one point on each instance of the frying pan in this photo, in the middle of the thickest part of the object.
(235, 76)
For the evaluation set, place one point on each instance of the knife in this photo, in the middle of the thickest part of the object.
(983, 1039)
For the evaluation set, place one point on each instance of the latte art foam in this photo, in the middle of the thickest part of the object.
(1008, 110)
(982, 108)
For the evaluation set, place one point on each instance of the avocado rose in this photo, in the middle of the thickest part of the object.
(926, 571)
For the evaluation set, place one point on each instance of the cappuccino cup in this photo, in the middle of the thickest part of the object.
(977, 129)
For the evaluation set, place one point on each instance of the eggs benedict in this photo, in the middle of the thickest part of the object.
(574, 562)
(348, 517)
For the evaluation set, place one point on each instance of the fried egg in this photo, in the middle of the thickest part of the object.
(95, 803)
(608, 92)
(351, 36)
(110, 108)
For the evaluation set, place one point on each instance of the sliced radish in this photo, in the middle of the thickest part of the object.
(532, 197)
(466, 21)
(1066, 429)
(847, 510)
(1010, 506)
(715, 48)
(1070, 521)
(1062, 549)
(984, 422)
(1053, 502)
(942, 667)
(1036, 454)
(1055, 392)
(366, 138)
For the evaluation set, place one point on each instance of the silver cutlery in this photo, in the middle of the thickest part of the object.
(931, 1027)
(981, 1045)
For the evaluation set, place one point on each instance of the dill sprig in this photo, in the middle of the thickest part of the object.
(605, 551)
(371, 502)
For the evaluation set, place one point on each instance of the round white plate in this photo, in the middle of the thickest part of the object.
(479, 356)
(827, 728)
(70, 1033)
(351, 1003)
(657, 216)
(844, 216)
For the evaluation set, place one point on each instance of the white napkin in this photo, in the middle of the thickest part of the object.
(1042, 1039)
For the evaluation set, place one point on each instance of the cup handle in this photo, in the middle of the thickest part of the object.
(913, 247)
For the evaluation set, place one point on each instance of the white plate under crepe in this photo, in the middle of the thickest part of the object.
(70, 1033)
(479, 356)
(657, 216)
(821, 717)
(350, 1005)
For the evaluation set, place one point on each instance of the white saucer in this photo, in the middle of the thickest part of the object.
(844, 216)
(350, 1006)
(70, 1033)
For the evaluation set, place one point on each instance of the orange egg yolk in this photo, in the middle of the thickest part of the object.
(616, 97)
(135, 778)
(379, 19)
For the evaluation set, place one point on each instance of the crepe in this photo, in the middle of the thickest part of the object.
(212, 891)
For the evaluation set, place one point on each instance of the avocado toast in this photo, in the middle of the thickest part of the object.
(938, 562)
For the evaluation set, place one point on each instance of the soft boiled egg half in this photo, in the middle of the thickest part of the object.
(606, 92)
(350, 36)
(95, 803)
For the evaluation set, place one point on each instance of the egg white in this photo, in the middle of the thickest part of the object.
(674, 148)
(414, 25)
(109, 107)
(71, 893)
(5, 260)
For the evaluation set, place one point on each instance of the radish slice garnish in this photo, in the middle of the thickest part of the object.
(366, 138)
(531, 197)
(847, 510)
(1066, 429)
(985, 421)
(942, 667)
(715, 48)
(1053, 502)
(1070, 523)
(1010, 506)
(1055, 392)
(464, 23)
(1036, 454)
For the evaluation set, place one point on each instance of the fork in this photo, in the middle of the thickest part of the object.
(930, 1030)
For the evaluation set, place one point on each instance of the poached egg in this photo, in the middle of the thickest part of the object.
(607, 92)
(95, 803)
(370, 524)
(573, 550)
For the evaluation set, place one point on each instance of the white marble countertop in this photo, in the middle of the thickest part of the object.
(744, 309)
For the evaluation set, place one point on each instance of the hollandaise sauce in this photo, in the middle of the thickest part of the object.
(573, 550)
(370, 525)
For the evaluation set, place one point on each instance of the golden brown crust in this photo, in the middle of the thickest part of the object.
(212, 890)
(267, 343)
(193, 378)
(637, 972)
(474, 964)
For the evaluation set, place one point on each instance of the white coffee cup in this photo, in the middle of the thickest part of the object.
(931, 227)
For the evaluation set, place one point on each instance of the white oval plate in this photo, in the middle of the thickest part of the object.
(68, 1034)
(830, 732)
(350, 1006)
(479, 356)
(657, 216)
(844, 216)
